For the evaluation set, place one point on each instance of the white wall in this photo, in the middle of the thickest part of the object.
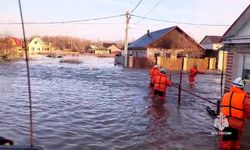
(221, 60)
(245, 31)
(216, 46)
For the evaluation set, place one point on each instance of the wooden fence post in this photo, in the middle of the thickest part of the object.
(218, 107)
(179, 94)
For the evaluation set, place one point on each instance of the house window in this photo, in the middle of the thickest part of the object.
(32, 48)
(38, 48)
(137, 54)
(246, 68)
(35, 42)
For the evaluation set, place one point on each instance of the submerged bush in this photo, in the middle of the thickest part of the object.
(71, 61)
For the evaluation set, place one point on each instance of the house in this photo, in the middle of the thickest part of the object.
(105, 44)
(11, 48)
(168, 42)
(17, 43)
(37, 46)
(114, 49)
(102, 52)
(212, 44)
(236, 42)
(107, 49)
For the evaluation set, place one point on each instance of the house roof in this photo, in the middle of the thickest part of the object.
(106, 45)
(113, 48)
(17, 41)
(210, 39)
(238, 24)
(37, 39)
(149, 38)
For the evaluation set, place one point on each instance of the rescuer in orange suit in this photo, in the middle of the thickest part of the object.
(153, 72)
(161, 82)
(235, 105)
(193, 72)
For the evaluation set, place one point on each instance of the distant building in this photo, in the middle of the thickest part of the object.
(106, 45)
(113, 49)
(16, 42)
(37, 46)
(107, 50)
(212, 44)
(168, 42)
(13, 48)
(236, 41)
(102, 52)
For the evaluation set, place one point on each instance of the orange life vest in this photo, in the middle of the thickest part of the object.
(161, 82)
(153, 72)
(193, 72)
(232, 104)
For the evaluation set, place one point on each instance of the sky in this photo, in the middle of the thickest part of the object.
(216, 12)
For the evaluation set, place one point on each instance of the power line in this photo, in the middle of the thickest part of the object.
(156, 4)
(67, 21)
(136, 6)
(83, 23)
(177, 22)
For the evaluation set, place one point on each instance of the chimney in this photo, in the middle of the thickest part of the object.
(148, 33)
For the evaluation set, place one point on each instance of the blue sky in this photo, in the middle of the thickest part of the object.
(223, 12)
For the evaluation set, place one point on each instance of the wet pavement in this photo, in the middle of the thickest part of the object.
(96, 105)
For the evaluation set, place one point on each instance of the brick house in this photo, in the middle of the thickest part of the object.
(236, 42)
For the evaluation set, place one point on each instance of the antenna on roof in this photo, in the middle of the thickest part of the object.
(148, 33)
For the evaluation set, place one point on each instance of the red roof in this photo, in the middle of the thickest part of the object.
(17, 41)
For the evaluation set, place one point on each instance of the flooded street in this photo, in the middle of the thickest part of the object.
(96, 105)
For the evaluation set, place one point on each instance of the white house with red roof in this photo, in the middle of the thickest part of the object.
(236, 41)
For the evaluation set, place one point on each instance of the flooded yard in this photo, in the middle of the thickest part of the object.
(96, 105)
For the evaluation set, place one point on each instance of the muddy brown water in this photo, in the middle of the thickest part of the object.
(96, 105)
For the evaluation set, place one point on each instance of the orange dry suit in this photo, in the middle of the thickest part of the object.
(161, 82)
(153, 72)
(235, 105)
(193, 72)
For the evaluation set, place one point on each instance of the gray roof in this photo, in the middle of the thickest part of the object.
(211, 39)
(146, 39)
(238, 24)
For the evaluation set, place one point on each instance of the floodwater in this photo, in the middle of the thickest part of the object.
(96, 105)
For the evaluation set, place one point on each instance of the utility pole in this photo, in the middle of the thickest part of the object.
(126, 56)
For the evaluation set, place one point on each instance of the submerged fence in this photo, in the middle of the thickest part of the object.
(140, 62)
(173, 64)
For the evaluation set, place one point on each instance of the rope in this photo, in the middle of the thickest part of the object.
(28, 75)
(195, 95)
